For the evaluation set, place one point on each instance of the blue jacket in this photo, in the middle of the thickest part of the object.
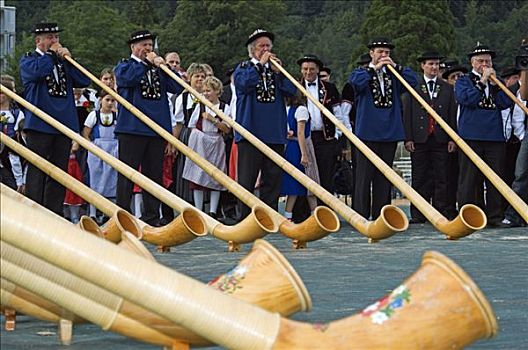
(146, 88)
(380, 124)
(262, 113)
(480, 119)
(42, 90)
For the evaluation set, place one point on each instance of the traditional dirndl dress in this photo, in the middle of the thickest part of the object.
(290, 186)
(181, 186)
(103, 178)
(207, 141)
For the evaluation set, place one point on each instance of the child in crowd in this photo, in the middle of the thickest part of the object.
(13, 173)
(206, 139)
(99, 128)
(300, 153)
(73, 202)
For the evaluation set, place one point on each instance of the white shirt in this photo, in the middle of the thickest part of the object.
(233, 100)
(91, 119)
(179, 116)
(427, 80)
(516, 123)
(207, 126)
(315, 113)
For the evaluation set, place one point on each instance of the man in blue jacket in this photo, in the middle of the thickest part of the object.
(48, 84)
(480, 125)
(378, 123)
(142, 83)
(260, 108)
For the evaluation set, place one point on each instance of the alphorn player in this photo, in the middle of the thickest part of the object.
(427, 142)
(378, 124)
(48, 84)
(142, 83)
(260, 90)
(480, 125)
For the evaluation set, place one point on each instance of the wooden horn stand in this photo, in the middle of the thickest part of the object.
(433, 215)
(247, 197)
(251, 226)
(395, 222)
(516, 202)
(182, 229)
(263, 277)
(439, 306)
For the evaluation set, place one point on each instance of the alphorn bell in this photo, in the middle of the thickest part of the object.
(439, 306)
(516, 202)
(256, 225)
(264, 277)
(471, 218)
(321, 224)
(182, 229)
(391, 220)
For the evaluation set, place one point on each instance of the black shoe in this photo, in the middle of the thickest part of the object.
(512, 223)
(213, 215)
(416, 221)
(497, 224)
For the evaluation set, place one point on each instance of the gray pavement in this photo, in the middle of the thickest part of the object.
(343, 274)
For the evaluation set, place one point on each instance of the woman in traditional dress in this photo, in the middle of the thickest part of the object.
(300, 153)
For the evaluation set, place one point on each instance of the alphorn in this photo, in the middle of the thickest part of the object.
(264, 277)
(439, 306)
(320, 224)
(471, 218)
(181, 230)
(507, 91)
(516, 202)
(391, 220)
(256, 225)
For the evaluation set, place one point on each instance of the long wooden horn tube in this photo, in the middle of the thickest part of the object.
(264, 277)
(439, 306)
(391, 220)
(327, 223)
(470, 218)
(256, 225)
(507, 91)
(516, 202)
(187, 226)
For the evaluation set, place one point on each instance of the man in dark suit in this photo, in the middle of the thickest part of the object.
(428, 144)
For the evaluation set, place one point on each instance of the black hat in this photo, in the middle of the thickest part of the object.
(380, 42)
(481, 50)
(326, 69)
(259, 33)
(140, 35)
(450, 62)
(41, 28)
(429, 55)
(364, 59)
(453, 69)
(509, 71)
(310, 58)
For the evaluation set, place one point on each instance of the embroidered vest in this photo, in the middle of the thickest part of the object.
(486, 102)
(381, 100)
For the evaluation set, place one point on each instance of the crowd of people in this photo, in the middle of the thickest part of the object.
(373, 104)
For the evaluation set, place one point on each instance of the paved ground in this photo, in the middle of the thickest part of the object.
(343, 274)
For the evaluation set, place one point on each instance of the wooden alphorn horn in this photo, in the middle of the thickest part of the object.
(256, 225)
(264, 277)
(470, 218)
(439, 306)
(181, 230)
(507, 91)
(391, 220)
(516, 202)
(319, 225)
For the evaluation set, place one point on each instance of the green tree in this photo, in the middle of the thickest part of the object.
(215, 31)
(95, 33)
(413, 26)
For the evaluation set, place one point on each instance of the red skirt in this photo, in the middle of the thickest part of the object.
(74, 170)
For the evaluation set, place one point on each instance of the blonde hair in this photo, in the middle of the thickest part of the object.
(195, 68)
(8, 81)
(215, 84)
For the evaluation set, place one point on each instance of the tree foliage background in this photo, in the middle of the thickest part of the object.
(214, 31)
